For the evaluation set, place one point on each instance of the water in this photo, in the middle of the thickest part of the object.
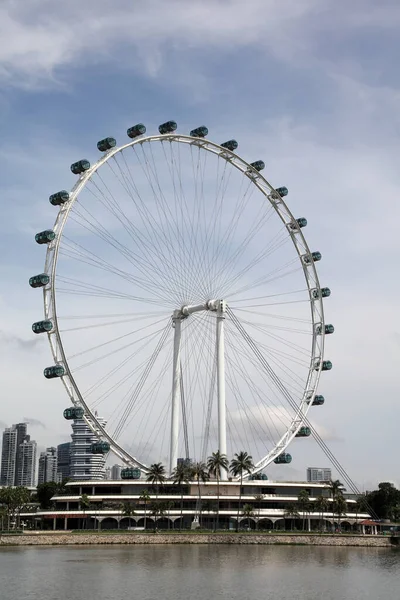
(199, 572)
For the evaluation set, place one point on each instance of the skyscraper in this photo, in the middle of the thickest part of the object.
(63, 461)
(18, 457)
(48, 465)
(26, 463)
(84, 464)
(318, 474)
(8, 456)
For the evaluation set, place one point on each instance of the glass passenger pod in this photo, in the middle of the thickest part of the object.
(44, 237)
(279, 193)
(130, 473)
(326, 365)
(313, 257)
(283, 459)
(100, 448)
(258, 165)
(327, 329)
(39, 280)
(59, 197)
(199, 132)
(168, 127)
(323, 293)
(73, 412)
(80, 167)
(106, 144)
(230, 145)
(318, 401)
(54, 371)
(42, 326)
(136, 131)
(298, 224)
(259, 477)
(303, 432)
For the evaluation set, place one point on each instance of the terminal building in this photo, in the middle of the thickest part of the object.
(262, 504)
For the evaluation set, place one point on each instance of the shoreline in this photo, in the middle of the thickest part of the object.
(79, 539)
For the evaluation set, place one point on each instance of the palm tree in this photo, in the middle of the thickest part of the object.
(145, 497)
(335, 488)
(128, 511)
(291, 513)
(242, 463)
(156, 476)
(339, 506)
(200, 473)
(259, 498)
(360, 506)
(248, 512)
(169, 506)
(321, 505)
(85, 503)
(216, 463)
(157, 510)
(181, 475)
(303, 502)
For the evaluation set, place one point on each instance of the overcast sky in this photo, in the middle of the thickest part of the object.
(310, 87)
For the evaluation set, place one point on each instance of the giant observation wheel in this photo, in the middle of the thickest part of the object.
(182, 302)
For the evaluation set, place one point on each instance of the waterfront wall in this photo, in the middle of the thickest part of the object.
(67, 539)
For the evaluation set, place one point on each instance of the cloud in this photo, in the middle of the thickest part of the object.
(34, 422)
(22, 344)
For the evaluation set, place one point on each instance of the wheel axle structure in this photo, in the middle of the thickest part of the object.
(172, 255)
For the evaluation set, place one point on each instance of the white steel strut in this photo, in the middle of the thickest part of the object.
(218, 306)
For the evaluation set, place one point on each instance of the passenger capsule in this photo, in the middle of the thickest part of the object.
(282, 191)
(303, 432)
(100, 448)
(42, 326)
(315, 257)
(328, 329)
(106, 144)
(168, 127)
(298, 224)
(318, 401)
(59, 198)
(258, 165)
(230, 145)
(73, 412)
(130, 473)
(326, 365)
(44, 237)
(283, 459)
(323, 293)
(54, 371)
(199, 132)
(136, 130)
(39, 280)
(80, 167)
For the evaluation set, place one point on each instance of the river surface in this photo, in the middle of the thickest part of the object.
(199, 573)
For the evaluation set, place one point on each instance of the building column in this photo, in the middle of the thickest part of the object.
(54, 523)
(309, 524)
(65, 522)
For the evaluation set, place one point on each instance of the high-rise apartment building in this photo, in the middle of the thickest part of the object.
(48, 465)
(8, 456)
(318, 474)
(63, 461)
(85, 464)
(18, 457)
(26, 463)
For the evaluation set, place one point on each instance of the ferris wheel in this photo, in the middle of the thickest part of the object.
(182, 302)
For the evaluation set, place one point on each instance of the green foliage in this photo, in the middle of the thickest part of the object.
(385, 501)
(216, 463)
(45, 492)
(241, 464)
(13, 500)
(156, 475)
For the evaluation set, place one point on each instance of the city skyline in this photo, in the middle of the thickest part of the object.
(326, 128)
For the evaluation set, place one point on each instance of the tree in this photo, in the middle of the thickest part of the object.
(181, 475)
(339, 507)
(128, 511)
(360, 506)
(45, 492)
(145, 497)
(335, 488)
(85, 503)
(14, 499)
(216, 463)
(241, 463)
(321, 505)
(169, 506)
(248, 512)
(291, 513)
(157, 510)
(156, 476)
(304, 504)
(199, 473)
(385, 501)
(258, 498)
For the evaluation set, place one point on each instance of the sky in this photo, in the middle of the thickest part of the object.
(310, 87)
